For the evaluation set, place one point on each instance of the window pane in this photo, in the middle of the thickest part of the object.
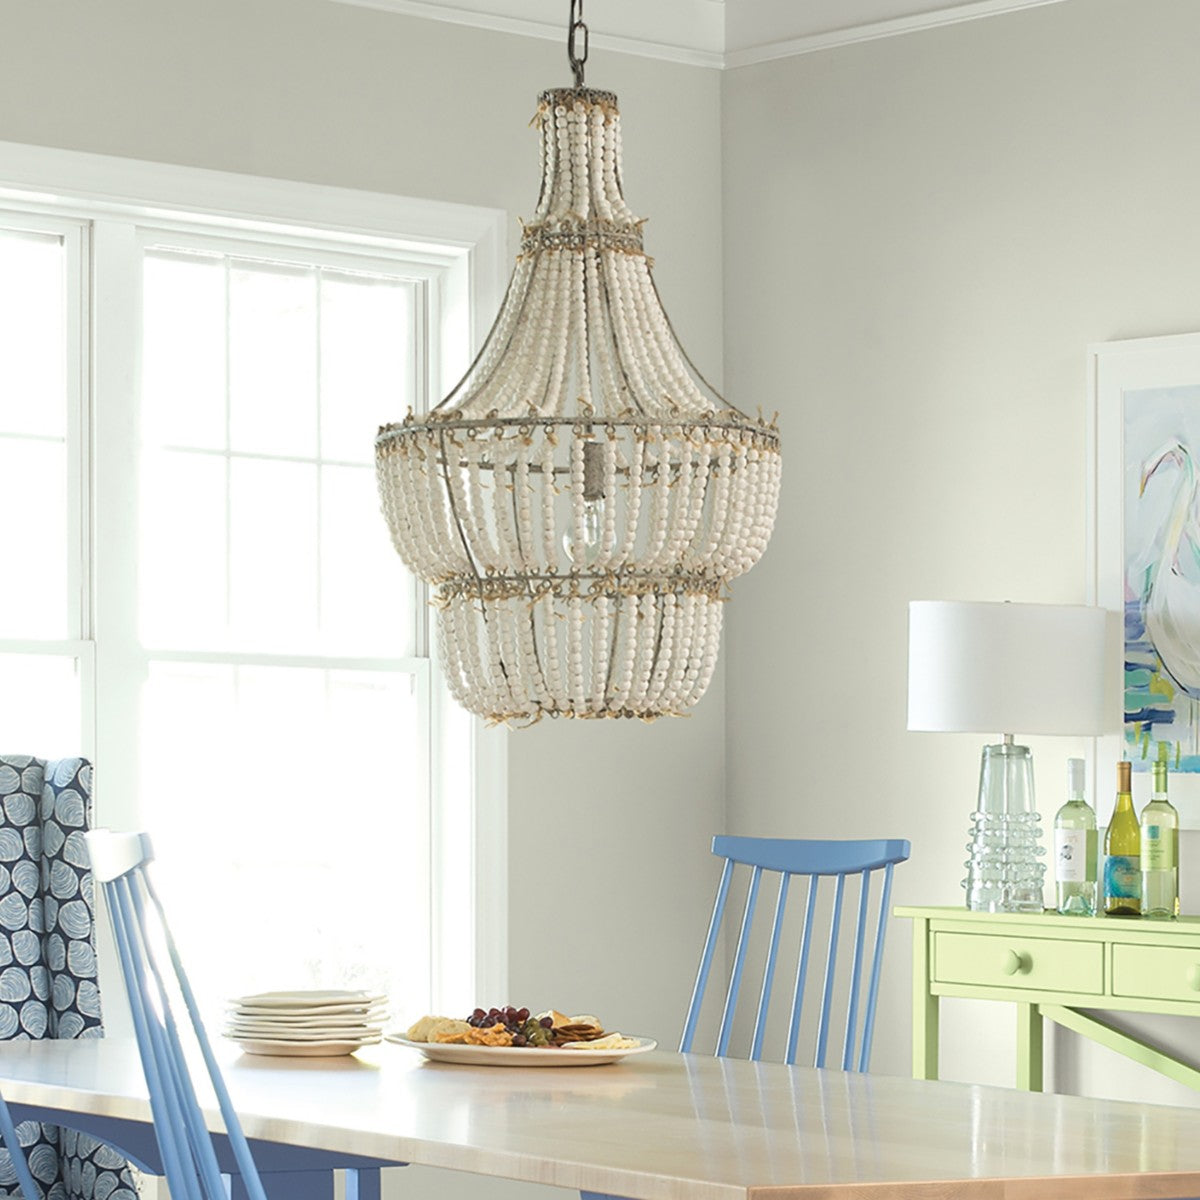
(33, 397)
(272, 359)
(182, 578)
(273, 532)
(39, 705)
(366, 361)
(33, 430)
(33, 525)
(183, 359)
(306, 846)
(367, 597)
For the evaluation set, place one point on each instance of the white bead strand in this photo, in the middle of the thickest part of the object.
(665, 650)
(575, 654)
(633, 502)
(601, 656)
(549, 494)
(523, 505)
(600, 340)
(551, 662)
(625, 654)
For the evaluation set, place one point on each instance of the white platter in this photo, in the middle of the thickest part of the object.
(336, 1023)
(275, 1034)
(324, 1016)
(519, 1056)
(306, 1001)
(298, 1049)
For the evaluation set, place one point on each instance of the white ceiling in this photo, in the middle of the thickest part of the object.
(715, 33)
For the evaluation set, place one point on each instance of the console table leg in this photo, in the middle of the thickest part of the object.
(1029, 1048)
(925, 1007)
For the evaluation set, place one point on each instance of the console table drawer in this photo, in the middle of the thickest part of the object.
(1040, 964)
(1157, 972)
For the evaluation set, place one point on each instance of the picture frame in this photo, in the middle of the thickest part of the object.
(1144, 555)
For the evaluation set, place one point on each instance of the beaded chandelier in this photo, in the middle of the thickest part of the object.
(581, 500)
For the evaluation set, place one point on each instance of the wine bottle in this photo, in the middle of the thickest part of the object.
(1160, 847)
(1122, 853)
(1075, 848)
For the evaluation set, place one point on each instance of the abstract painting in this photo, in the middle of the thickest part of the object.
(1162, 574)
(1144, 469)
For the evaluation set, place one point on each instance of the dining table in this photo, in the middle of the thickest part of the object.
(656, 1126)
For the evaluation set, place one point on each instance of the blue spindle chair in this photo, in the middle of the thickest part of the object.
(815, 860)
(189, 1157)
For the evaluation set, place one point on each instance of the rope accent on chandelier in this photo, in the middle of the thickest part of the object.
(583, 497)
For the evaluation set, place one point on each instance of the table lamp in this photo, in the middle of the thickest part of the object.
(1005, 669)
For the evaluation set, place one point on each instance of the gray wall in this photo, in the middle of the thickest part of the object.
(922, 236)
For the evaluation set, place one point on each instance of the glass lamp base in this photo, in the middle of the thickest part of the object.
(1004, 871)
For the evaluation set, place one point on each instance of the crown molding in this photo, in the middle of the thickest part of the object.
(697, 26)
(874, 30)
(683, 31)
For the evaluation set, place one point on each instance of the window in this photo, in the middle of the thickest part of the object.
(203, 597)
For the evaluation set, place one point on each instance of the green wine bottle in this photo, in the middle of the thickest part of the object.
(1075, 848)
(1123, 853)
(1160, 847)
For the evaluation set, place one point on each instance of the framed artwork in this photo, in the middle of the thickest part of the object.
(1144, 552)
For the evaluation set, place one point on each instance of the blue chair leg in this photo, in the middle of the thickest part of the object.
(363, 1184)
(29, 1189)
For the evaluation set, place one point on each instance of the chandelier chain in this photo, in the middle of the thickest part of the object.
(577, 33)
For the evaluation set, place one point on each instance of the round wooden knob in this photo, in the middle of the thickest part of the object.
(1014, 962)
(1193, 977)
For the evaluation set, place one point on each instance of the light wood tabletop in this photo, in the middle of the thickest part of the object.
(665, 1126)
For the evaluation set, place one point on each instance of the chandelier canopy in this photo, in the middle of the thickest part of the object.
(582, 498)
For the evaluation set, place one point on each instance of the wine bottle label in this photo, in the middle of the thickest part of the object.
(1075, 855)
(1123, 876)
(1158, 848)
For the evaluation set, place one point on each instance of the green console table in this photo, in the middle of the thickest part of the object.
(1051, 967)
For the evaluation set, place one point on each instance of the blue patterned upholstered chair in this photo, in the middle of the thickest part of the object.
(48, 984)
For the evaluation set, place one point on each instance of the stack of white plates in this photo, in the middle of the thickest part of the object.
(308, 1024)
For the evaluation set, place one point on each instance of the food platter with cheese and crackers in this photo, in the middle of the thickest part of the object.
(513, 1037)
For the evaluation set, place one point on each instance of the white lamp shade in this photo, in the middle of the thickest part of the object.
(1006, 668)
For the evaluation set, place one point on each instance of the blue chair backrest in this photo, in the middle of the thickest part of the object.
(814, 860)
(139, 926)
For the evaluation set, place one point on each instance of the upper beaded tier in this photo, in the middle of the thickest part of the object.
(581, 173)
(582, 333)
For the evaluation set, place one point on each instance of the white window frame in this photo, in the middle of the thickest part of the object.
(108, 203)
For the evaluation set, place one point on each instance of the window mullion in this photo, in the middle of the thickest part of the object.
(426, 340)
(79, 549)
(120, 663)
(80, 468)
